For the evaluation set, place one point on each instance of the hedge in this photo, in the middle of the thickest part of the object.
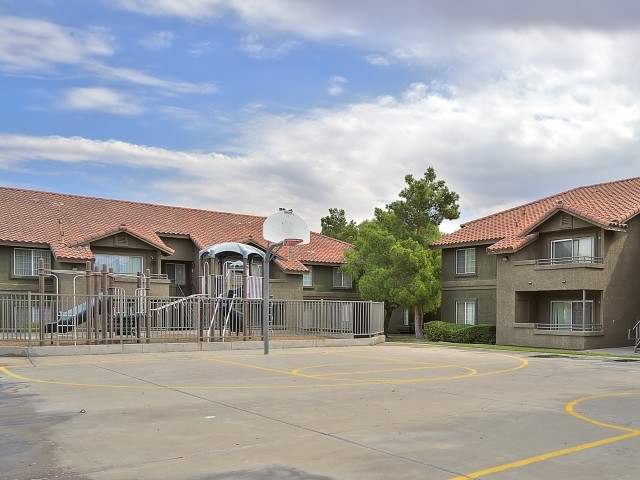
(438, 331)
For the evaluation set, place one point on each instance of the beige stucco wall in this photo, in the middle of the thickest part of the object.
(612, 285)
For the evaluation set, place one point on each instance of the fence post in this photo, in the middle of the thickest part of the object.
(41, 299)
(29, 317)
(96, 306)
(88, 310)
(105, 300)
(322, 317)
(147, 303)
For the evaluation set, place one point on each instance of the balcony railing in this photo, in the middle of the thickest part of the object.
(571, 327)
(569, 261)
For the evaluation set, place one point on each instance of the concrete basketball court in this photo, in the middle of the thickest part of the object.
(379, 412)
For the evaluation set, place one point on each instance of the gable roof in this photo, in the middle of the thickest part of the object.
(68, 223)
(608, 205)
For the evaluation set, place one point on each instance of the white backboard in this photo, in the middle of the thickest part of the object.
(284, 225)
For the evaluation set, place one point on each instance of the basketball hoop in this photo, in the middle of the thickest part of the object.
(283, 228)
(291, 242)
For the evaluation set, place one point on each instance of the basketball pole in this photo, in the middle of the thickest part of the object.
(265, 294)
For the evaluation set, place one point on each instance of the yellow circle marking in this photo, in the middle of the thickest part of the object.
(570, 409)
(470, 372)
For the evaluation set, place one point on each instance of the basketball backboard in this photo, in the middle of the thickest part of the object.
(285, 226)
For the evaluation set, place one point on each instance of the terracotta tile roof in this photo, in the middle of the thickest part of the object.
(66, 223)
(609, 205)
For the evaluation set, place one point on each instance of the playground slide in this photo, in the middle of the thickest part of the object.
(68, 319)
(76, 316)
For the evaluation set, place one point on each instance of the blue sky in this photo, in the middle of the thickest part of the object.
(248, 106)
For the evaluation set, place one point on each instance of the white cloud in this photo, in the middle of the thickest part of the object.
(28, 45)
(100, 99)
(377, 59)
(336, 85)
(253, 45)
(139, 77)
(198, 49)
(158, 40)
(37, 46)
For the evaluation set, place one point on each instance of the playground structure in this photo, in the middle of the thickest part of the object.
(229, 307)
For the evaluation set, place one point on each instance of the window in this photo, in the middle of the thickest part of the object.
(405, 317)
(177, 273)
(26, 260)
(466, 312)
(341, 279)
(572, 250)
(465, 261)
(568, 314)
(120, 263)
(307, 277)
(255, 269)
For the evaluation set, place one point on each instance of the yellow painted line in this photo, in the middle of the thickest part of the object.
(246, 365)
(383, 370)
(546, 456)
(296, 373)
(522, 362)
(11, 374)
(569, 408)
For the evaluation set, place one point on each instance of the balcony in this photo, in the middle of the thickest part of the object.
(569, 273)
(571, 327)
(569, 261)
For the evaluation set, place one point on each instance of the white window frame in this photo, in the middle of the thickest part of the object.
(576, 256)
(341, 279)
(469, 312)
(307, 277)
(469, 267)
(111, 260)
(28, 267)
(569, 323)
(256, 268)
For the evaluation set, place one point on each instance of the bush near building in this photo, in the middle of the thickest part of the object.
(438, 331)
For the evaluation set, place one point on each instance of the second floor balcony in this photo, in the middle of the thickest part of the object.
(564, 273)
(578, 261)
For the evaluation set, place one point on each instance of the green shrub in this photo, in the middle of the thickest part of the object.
(438, 331)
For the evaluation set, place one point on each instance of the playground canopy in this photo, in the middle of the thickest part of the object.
(220, 249)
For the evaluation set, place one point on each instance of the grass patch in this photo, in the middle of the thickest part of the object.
(406, 339)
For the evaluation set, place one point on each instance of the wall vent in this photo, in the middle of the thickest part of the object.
(121, 240)
(566, 221)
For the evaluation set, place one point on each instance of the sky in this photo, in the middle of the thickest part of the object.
(247, 106)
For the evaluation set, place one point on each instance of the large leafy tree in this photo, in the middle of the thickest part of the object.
(392, 259)
(335, 225)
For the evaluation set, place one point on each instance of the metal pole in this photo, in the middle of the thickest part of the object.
(265, 294)
(584, 309)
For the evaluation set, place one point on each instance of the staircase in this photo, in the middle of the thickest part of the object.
(634, 334)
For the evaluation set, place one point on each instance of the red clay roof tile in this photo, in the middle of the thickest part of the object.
(68, 222)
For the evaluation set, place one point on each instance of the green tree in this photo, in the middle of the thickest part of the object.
(335, 225)
(392, 259)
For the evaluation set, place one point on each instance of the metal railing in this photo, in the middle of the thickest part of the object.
(634, 334)
(55, 319)
(571, 327)
(569, 260)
